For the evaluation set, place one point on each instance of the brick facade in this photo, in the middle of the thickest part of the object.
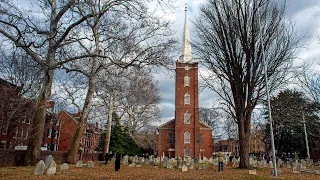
(186, 105)
(68, 125)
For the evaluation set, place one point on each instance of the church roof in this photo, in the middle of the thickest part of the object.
(167, 124)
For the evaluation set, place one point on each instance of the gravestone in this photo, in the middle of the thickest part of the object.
(79, 163)
(64, 166)
(52, 168)
(317, 171)
(179, 162)
(48, 161)
(253, 172)
(139, 160)
(309, 162)
(135, 159)
(146, 161)
(280, 163)
(169, 165)
(125, 160)
(138, 165)
(90, 164)
(39, 168)
(184, 168)
(165, 162)
(303, 165)
(142, 160)
(132, 165)
(191, 164)
(296, 168)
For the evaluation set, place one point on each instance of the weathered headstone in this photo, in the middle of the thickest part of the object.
(184, 168)
(309, 162)
(138, 165)
(253, 171)
(79, 163)
(52, 168)
(90, 164)
(64, 166)
(317, 171)
(48, 161)
(39, 168)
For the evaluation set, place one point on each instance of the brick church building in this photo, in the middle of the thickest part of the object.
(185, 135)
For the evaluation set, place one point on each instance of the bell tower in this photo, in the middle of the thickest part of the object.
(187, 126)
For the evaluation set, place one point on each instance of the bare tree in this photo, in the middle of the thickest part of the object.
(308, 80)
(228, 44)
(41, 36)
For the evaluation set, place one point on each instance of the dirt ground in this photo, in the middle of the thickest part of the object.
(102, 171)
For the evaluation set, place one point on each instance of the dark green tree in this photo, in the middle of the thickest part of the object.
(288, 109)
(120, 141)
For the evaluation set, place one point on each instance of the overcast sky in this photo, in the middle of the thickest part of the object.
(305, 14)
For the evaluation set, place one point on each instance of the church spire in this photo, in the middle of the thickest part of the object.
(186, 46)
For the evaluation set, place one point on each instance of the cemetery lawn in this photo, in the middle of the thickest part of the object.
(102, 171)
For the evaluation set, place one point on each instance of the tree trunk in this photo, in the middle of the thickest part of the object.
(244, 142)
(108, 130)
(82, 123)
(35, 140)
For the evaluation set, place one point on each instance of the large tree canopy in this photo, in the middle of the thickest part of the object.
(229, 45)
(288, 109)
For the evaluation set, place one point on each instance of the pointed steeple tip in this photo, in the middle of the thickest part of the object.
(186, 56)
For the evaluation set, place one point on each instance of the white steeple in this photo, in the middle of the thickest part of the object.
(186, 46)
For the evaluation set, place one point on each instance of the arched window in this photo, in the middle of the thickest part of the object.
(186, 137)
(186, 81)
(187, 118)
(187, 98)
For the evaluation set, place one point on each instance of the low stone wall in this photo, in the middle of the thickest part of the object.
(10, 157)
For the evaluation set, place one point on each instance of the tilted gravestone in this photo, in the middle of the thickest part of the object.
(52, 168)
(39, 168)
(48, 161)
(64, 166)
(165, 162)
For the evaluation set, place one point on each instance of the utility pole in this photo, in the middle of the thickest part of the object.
(275, 173)
(305, 133)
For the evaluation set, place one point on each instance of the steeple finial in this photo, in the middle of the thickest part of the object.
(186, 46)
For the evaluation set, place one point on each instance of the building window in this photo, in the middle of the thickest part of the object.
(187, 98)
(20, 135)
(170, 138)
(186, 152)
(49, 132)
(187, 118)
(201, 139)
(15, 134)
(186, 81)
(89, 135)
(28, 120)
(5, 127)
(186, 137)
